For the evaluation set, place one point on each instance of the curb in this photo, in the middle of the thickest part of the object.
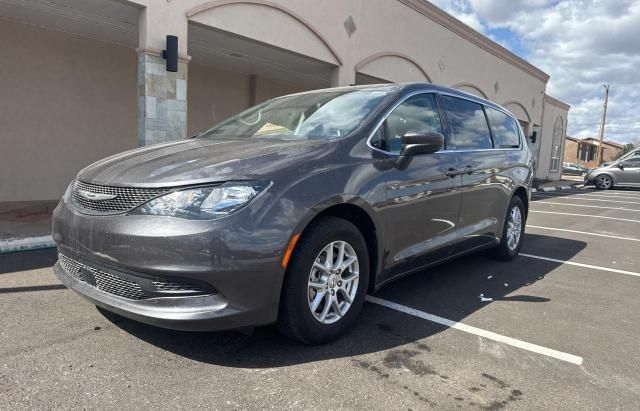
(556, 188)
(25, 244)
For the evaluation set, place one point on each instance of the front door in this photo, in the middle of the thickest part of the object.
(422, 200)
(629, 174)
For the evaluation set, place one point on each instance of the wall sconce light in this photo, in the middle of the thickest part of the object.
(170, 54)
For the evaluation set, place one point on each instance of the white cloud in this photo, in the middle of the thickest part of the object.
(501, 11)
(581, 44)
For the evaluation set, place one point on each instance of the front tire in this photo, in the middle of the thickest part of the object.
(512, 232)
(325, 283)
(603, 182)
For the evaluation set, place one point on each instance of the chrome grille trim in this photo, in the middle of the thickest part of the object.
(104, 281)
(125, 198)
(168, 286)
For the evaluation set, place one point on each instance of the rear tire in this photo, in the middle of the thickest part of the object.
(603, 182)
(512, 232)
(322, 296)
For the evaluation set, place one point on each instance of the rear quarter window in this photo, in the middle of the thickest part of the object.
(504, 129)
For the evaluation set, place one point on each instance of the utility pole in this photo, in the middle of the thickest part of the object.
(602, 123)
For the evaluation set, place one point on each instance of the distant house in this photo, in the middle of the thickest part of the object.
(584, 151)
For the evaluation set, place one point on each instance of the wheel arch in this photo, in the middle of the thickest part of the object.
(605, 173)
(522, 193)
(357, 214)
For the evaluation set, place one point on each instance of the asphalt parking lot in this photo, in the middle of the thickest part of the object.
(562, 332)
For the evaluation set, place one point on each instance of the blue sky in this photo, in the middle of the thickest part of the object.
(581, 44)
(508, 39)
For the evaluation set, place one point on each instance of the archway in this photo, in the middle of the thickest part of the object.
(471, 89)
(392, 67)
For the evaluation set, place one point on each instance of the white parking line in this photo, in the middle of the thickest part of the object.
(592, 189)
(634, 194)
(582, 194)
(538, 349)
(589, 206)
(583, 232)
(582, 198)
(587, 215)
(594, 267)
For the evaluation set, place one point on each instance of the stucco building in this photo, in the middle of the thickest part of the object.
(83, 79)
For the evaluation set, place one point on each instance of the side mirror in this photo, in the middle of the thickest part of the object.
(421, 142)
(533, 137)
(620, 166)
(418, 142)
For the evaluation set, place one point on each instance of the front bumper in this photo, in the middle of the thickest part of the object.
(589, 179)
(239, 269)
(197, 313)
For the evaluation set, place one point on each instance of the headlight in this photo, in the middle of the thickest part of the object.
(205, 203)
(67, 194)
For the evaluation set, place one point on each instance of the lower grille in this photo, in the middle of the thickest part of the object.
(130, 286)
(102, 280)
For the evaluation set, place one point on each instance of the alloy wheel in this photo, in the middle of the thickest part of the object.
(333, 282)
(514, 228)
(603, 182)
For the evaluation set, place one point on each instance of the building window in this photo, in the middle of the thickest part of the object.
(558, 133)
(592, 153)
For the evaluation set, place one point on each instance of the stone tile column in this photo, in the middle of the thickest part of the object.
(162, 99)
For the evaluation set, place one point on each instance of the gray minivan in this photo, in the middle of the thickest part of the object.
(293, 210)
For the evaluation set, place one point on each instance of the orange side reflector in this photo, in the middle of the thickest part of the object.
(287, 254)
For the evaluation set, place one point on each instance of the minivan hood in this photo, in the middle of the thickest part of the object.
(198, 160)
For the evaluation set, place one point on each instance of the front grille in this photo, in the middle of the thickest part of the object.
(102, 280)
(123, 198)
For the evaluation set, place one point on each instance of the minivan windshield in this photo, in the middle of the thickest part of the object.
(316, 115)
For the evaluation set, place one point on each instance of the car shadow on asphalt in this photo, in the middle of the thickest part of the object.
(451, 290)
(27, 260)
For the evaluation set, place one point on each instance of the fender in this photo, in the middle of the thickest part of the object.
(353, 200)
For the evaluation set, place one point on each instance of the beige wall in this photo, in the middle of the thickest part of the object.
(65, 101)
(446, 57)
(214, 95)
(315, 29)
(269, 88)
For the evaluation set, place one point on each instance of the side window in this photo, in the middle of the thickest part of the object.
(633, 162)
(469, 126)
(504, 128)
(417, 113)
